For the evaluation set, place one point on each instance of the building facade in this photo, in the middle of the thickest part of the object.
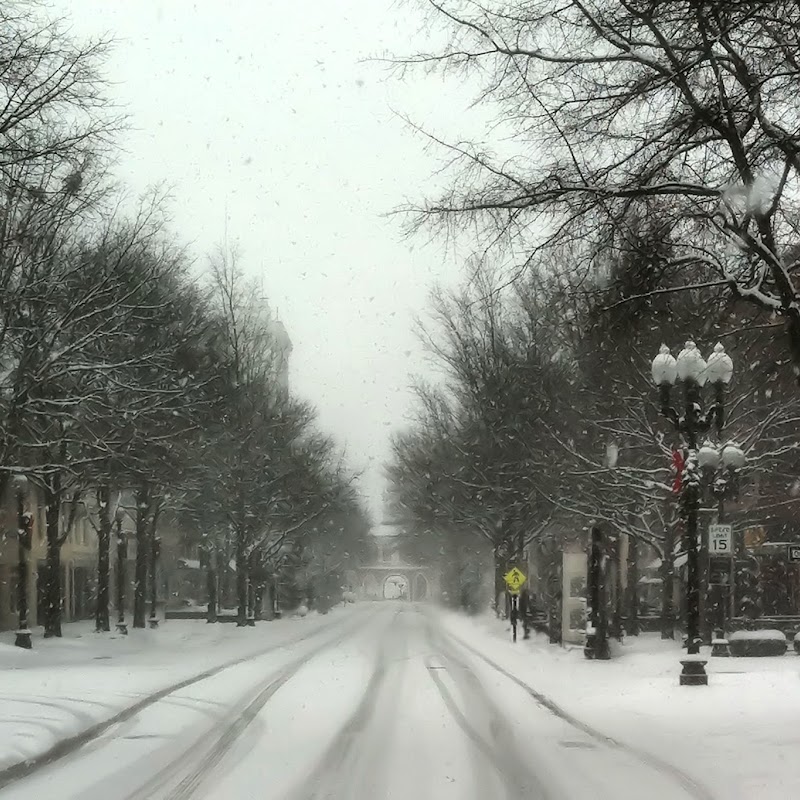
(78, 559)
(78, 563)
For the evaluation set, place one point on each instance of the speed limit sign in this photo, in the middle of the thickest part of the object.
(720, 539)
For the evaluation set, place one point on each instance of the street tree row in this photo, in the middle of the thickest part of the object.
(638, 186)
(120, 369)
(546, 422)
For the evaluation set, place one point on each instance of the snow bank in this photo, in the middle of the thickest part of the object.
(64, 686)
(771, 635)
(736, 736)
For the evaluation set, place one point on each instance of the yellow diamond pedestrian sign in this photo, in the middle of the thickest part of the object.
(514, 579)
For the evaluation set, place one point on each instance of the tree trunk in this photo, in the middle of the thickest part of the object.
(633, 586)
(553, 601)
(103, 566)
(155, 551)
(268, 600)
(597, 610)
(499, 583)
(251, 598)
(211, 590)
(225, 585)
(613, 589)
(793, 332)
(142, 556)
(258, 610)
(52, 576)
(241, 581)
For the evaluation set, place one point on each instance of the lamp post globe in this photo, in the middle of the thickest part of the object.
(664, 371)
(733, 457)
(719, 368)
(664, 368)
(691, 365)
(708, 457)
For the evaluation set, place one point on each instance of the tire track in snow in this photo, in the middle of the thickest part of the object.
(205, 754)
(335, 767)
(500, 749)
(69, 745)
(690, 786)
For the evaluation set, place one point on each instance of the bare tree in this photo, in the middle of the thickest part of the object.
(54, 100)
(616, 107)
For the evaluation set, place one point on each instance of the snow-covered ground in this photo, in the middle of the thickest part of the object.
(738, 736)
(63, 686)
(396, 700)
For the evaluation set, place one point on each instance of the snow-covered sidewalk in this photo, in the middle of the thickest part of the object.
(738, 736)
(65, 686)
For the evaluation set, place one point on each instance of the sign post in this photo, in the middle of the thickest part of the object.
(720, 545)
(514, 579)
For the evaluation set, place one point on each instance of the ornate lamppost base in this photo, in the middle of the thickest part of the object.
(693, 673)
(23, 639)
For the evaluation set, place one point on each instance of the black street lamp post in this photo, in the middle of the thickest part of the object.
(122, 555)
(693, 372)
(24, 541)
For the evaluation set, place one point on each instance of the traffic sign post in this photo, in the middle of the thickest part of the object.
(514, 579)
(720, 546)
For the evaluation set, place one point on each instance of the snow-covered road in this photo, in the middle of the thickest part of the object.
(380, 704)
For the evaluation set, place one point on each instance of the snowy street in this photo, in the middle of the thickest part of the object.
(399, 400)
(385, 700)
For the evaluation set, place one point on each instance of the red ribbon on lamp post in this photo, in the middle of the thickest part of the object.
(678, 463)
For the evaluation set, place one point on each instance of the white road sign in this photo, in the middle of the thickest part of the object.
(720, 540)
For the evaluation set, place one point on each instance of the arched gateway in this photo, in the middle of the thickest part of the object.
(390, 578)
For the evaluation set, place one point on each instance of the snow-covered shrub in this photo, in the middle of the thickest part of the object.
(797, 643)
(757, 643)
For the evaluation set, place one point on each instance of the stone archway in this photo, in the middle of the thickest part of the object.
(403, 581)
(396, 587)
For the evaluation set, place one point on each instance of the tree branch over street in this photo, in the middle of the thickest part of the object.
(612, 108)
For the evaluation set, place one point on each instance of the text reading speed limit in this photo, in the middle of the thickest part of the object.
(720, 539)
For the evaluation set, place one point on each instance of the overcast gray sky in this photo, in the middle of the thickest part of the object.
(266, 109)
